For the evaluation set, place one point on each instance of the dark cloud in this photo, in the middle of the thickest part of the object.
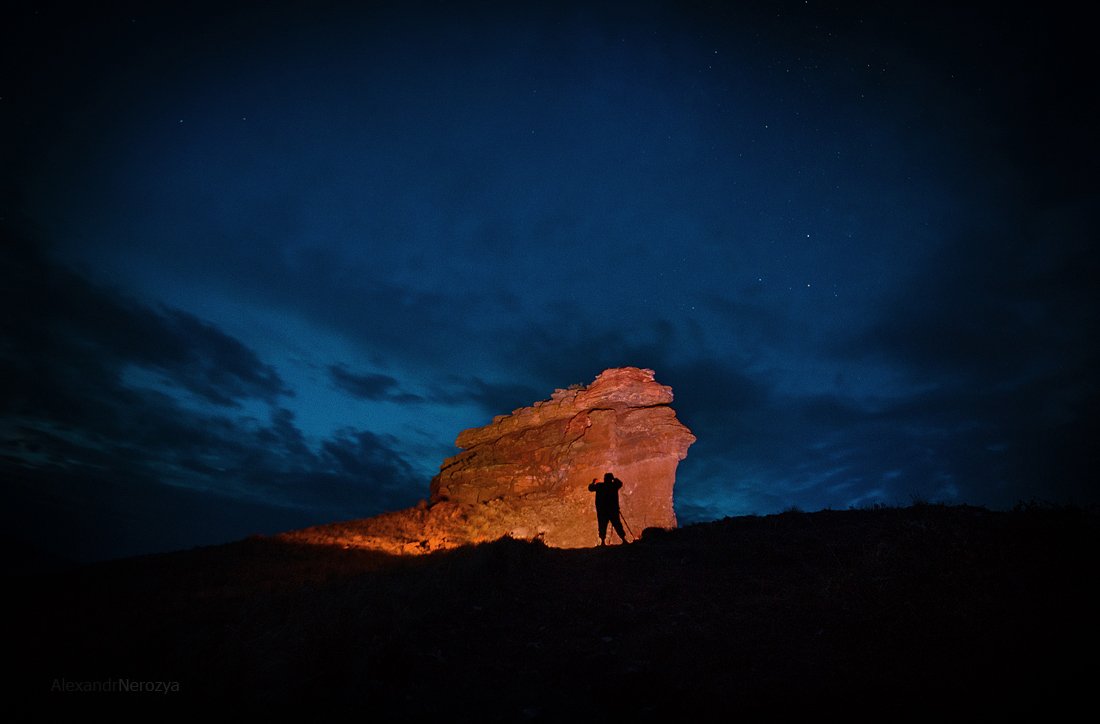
(371, 386)
(568, 346)
(990, 309)
(65, 329)
(496, 398)
(208, 362)
(166, 452)
(352, 474)
(996, 334)
(974, 436)
(365, 455)
(73, 420)
(493, 397)
(89, 514)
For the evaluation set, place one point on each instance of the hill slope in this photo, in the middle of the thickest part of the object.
(870, 612)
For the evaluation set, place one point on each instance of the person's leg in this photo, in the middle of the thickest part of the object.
(602, 520)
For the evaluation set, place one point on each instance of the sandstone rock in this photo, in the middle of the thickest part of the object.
(526, 474)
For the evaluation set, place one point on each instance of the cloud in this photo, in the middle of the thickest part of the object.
(73, 417)
(496, 398)
(364, 455)
(210, 363)
(764, 446)
(341, 290)
(370, 386)
(351, 474)
(993, 307)
(67, 332)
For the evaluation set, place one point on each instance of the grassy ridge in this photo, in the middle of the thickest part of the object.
(905, 608)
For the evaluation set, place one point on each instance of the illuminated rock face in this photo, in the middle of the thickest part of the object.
(526, 474)
(547, 454)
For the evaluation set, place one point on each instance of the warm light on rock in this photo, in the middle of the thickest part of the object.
(526, 474)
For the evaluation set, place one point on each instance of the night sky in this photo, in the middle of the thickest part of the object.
(260, 265)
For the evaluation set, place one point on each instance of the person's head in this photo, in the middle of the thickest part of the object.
(608, 477)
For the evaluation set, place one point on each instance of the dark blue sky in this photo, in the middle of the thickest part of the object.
(262, 264)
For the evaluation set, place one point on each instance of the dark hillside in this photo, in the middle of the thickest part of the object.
(874, 613)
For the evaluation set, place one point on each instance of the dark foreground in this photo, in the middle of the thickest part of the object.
(872, 613)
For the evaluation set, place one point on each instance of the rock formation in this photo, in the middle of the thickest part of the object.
(526, 474)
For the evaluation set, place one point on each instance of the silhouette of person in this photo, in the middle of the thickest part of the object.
(607, 505)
